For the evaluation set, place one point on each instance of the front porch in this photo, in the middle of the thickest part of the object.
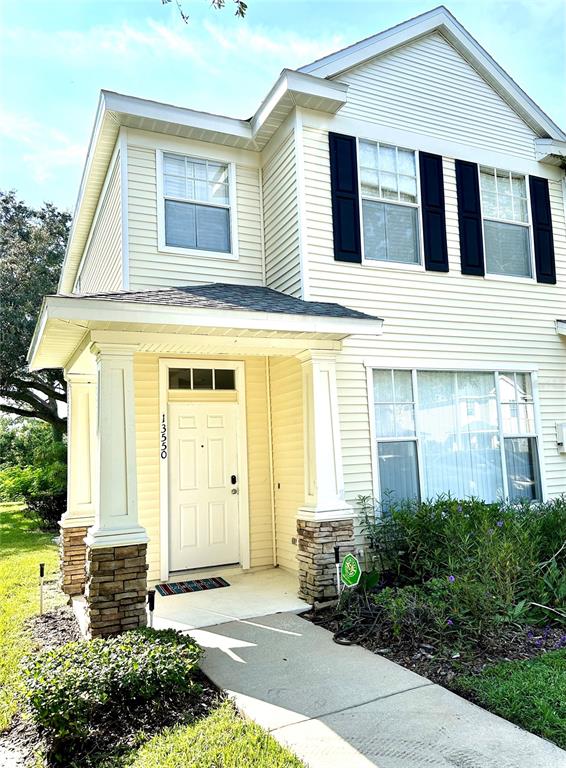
(257, 592)
(200, 439)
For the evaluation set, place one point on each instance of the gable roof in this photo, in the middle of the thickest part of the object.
(311, 86)
(440, 20)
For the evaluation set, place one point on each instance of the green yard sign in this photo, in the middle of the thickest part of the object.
(350, 572)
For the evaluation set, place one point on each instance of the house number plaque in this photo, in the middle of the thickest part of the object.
(163, 437)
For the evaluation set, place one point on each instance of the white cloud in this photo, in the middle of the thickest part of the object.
(44, 150)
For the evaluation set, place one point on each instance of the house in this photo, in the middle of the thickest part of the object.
(359, 290)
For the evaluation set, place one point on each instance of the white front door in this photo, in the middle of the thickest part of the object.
(203, 485)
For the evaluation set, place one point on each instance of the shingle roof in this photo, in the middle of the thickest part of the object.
(223, 296)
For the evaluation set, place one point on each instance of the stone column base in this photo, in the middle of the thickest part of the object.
(72, 555)
(116, 589)
(317, 570)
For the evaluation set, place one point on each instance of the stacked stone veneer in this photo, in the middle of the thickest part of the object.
(116, 589)
(72, 550)
(317, 569)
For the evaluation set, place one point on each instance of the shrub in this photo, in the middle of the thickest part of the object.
(513, 552)
(73, 688)
(48, 508)
(42, 488)
(452, 611)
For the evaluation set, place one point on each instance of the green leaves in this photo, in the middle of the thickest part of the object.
(71, 688)
(514, 553)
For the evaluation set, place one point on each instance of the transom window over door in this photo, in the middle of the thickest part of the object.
(505, 222)
(196, 203)
(388, 181)
(466, 433)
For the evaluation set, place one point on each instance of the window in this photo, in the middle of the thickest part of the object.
(388, 180)
(505, 222)
(197, 203)
(466, 433)
(202, 378)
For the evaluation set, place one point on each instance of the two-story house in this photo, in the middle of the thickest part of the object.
(359, 290)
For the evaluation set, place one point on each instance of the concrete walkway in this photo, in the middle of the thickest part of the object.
(338, 706)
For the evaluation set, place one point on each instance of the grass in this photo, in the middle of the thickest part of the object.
(223, 740)
(530, 693)
(22, 548)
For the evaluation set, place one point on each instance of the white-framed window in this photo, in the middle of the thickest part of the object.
(506, 226)
(197, 205)
(389, 197)
(463, 433)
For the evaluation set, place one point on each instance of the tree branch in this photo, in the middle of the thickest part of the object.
(41, 386)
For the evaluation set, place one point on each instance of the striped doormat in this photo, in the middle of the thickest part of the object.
(197, 585)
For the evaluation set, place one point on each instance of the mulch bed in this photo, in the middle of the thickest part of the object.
(108, 739)
(441, 666)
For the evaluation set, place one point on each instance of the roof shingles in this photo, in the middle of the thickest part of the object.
(223, 296)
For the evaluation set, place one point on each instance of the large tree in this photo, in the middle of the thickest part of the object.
(32, 246)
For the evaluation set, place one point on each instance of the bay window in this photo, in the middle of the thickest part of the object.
(388, 182)
(506, 229)
(463, 433)
(196, 199)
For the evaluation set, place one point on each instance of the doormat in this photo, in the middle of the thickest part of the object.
(197, 585)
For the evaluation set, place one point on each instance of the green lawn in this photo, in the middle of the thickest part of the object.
(222, 740)
(22, 548)
(531, 693)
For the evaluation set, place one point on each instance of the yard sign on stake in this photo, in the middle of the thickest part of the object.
(351, 571)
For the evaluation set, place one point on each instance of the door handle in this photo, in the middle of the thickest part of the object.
(233, 479)
(234, 491)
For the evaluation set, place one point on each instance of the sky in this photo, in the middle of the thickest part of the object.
(56, 55)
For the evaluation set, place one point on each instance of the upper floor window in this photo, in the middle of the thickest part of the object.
(196, 203)
(505, 222)
(388, 180)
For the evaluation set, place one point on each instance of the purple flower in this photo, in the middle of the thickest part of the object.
(539, 642)
(459, 507)
(450, 622)
(499, 523)
(451, 579)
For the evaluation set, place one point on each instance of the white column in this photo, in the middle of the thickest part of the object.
(324, 483)
(81, 431)
(116, 517)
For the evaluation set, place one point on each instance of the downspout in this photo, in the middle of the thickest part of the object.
(271, 477)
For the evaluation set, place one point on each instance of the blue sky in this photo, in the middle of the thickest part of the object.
(55, 57)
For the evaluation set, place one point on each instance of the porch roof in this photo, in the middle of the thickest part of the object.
(68, 323)
(225, 296)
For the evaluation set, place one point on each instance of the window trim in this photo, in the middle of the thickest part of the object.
(377, 263)
(529, 224)
(162, 247)
(450, 368)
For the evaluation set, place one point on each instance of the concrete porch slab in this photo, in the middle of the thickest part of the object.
(251, 593)
(334, 705)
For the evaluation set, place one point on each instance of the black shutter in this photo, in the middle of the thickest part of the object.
(469, 218)
(434, 218)
(345, 198)
(542, 230)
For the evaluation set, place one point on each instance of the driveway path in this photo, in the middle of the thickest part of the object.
(344, 707)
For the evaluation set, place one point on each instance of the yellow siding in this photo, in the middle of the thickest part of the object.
(281, 217)
(435, 317)
(146, 373)
(101, 269)
(261, 528)
(427, 87)
(288, 458)
(150, 268)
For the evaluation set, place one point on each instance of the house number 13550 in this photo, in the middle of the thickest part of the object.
(163, 437)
